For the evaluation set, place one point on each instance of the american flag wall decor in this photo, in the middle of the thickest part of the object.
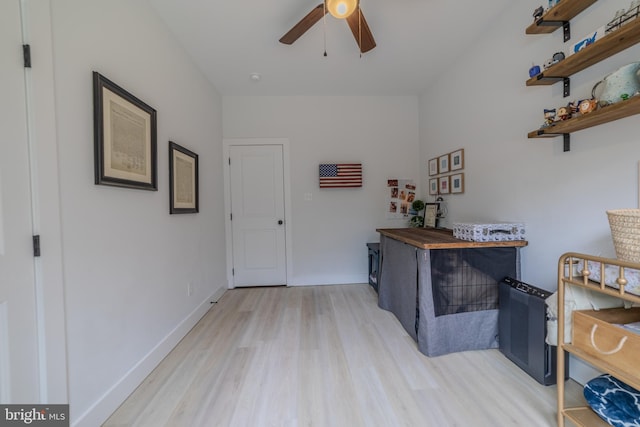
(341, 175)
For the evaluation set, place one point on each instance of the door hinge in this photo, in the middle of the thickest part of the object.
(233, 271)
(229, 160)
(230, 217)
(26, 54)
(36, 245)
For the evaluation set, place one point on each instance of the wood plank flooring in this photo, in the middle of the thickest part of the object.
(327, 356)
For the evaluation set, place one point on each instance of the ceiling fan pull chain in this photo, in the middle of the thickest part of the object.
(324, 26)
(360, 31)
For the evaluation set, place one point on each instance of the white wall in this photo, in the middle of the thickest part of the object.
(127, 262)
(330, 232)
(481, 104)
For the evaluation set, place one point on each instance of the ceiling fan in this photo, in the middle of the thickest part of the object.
(342, 9)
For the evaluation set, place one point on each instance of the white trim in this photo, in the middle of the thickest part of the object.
(100, 411)
(284, 142)
(43, 153)
(5, 372)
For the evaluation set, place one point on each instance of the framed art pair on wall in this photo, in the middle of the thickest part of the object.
(125, 147)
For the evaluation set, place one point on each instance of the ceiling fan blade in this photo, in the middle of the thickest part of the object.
(305, 23)
(361, 31)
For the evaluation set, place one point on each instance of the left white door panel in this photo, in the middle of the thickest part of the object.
(19, 373)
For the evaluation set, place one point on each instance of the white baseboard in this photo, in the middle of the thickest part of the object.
(218, 294)
(113, 397)
(329, 280)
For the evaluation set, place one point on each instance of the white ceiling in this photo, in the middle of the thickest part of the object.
(230, 40)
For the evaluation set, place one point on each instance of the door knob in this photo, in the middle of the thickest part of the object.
(280, 222)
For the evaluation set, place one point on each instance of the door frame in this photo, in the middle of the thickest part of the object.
(284, 143)
(46, 207)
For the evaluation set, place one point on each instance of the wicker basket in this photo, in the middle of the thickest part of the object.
(625, 231)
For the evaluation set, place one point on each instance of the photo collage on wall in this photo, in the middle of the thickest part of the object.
(401, 194)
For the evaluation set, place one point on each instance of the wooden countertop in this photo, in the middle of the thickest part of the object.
(437, 238)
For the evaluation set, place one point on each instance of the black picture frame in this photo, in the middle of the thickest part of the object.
(183, 180)
(125, 137)
(431, 215)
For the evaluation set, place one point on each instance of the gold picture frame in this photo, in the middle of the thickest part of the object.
(433, 187)
(444, 185)
(125, 132)
(443, 163)
(456, 160)
(433, 166)
(456, 182)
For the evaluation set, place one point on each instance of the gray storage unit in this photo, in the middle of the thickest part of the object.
(522, 325)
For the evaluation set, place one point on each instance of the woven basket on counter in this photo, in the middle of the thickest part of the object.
(625, 231)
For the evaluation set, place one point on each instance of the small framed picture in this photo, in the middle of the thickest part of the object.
(457, 183)
(433, 166)
(443, 185)
(443, 164)
(183, 180)
(433, 187)
(457, 160)
(431, 214)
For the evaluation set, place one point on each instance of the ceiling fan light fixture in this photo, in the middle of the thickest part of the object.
(341, 8)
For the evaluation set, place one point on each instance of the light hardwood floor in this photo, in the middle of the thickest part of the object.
(327, 356)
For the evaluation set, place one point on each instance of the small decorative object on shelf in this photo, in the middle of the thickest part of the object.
(587, 105)
(588, 40)
(534, 70)
(537, 14)
(564, 113)
(442, 208)
(620, 82)
(557, 57)
(622, 16)
(549, 117)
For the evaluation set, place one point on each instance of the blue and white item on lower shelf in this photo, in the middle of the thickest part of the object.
(614, 401)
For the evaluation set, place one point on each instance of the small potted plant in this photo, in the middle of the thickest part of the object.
(417, 220)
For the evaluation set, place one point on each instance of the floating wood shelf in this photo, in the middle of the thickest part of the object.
(614, 42)
(557, 16)
(600, 116)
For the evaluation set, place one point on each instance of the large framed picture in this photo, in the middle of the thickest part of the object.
(125, 150)
(183, 180)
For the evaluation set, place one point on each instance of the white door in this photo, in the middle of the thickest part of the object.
(18, 336)
(257, 215)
